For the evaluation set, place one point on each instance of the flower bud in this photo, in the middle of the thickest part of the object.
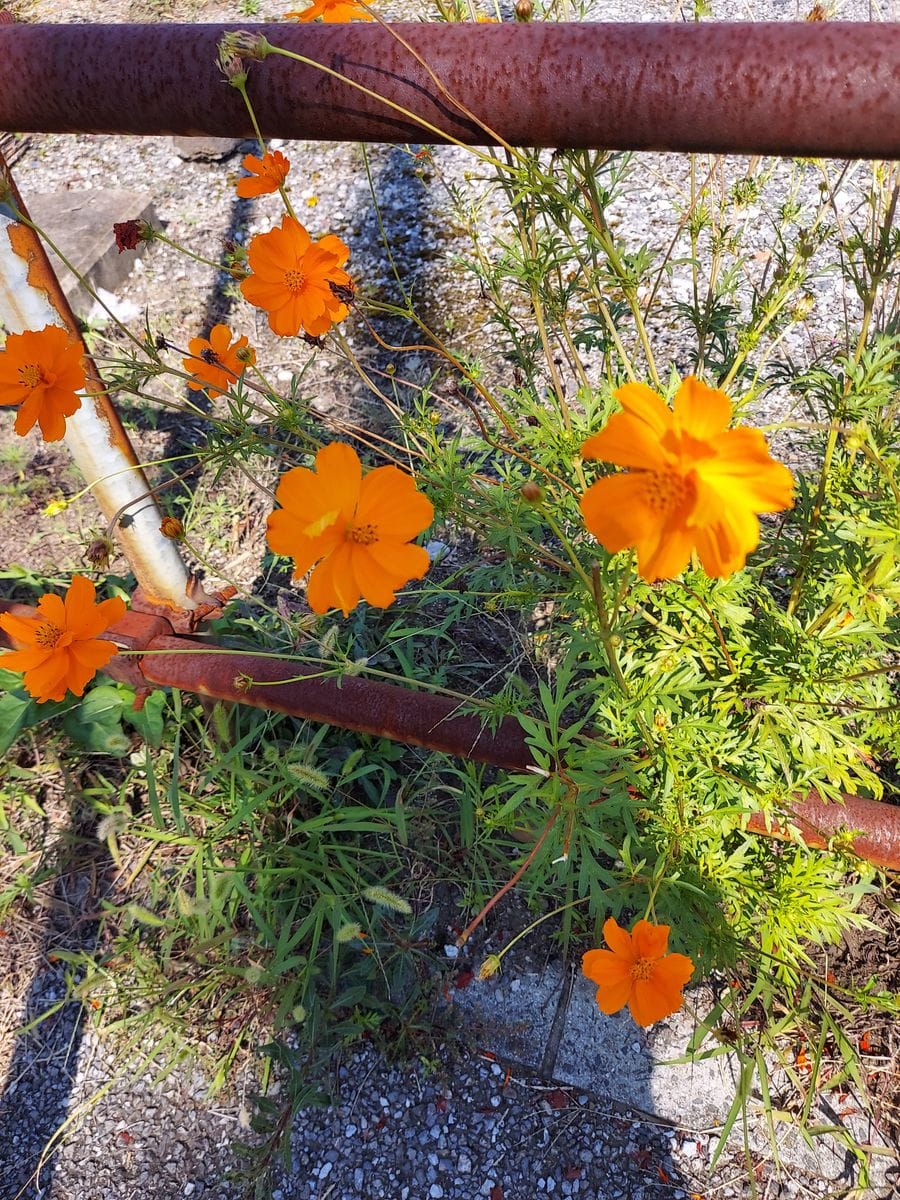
(523, 10)
(531, 492)
(171, 527)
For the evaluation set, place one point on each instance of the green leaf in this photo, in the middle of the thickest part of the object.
(148, 721)
(97, 737)
(102, 705)
(14, 717)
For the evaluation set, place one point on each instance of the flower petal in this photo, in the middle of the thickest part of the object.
(20, 629)
(333, 244)
(649, 940)
(25, 659)
(79, 601)
(701, 411)
(48, 680)
(665, 553)
(723, 547)
(650, 1003)
(597, 965)
(333, 583)
(378, 584)
(85, 660)
(339, 469)
(628, 441)
(29, 413)
(616, 511)
(285, 535)
(52, 608)
(402, 560)
(618, 939)
(614, 990)
(390, 501)
(743, 471)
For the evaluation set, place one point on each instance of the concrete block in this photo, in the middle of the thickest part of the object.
(517, 1018)
(206, 149)
(81, 225)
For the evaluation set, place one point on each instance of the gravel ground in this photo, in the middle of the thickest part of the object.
(457, 1129)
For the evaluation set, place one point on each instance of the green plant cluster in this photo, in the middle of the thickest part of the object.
(292, 871)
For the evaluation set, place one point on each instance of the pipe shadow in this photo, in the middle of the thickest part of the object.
(36, 1093)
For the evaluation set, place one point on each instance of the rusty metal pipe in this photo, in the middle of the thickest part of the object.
(420, 719)
(365, 705)
(818, 822)
(830, 88)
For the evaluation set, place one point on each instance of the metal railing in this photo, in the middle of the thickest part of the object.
(831, 89)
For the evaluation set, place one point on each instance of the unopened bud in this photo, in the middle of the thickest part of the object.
(660, 719)
(171, 527)
(532, 492)
(803, 307)
(523, 10)
(242, 683)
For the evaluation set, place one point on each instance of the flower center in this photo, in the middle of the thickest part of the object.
(210, 357)
(363, 535)
(667, 490)
(47, 635)
(642, 970)
(294, 280)
(32, 375)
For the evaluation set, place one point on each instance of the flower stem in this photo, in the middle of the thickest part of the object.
(498, 895)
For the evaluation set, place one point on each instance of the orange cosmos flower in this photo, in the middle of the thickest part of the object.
(271, 171)
(217, 363)
(331, 10)
(60, 647)
(637, 971)
(357, 529)
(693, 483)
(298, 281)
(41, 371)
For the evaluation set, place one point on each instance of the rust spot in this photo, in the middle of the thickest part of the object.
(26, 245)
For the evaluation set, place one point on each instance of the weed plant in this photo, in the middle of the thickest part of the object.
(277, 882)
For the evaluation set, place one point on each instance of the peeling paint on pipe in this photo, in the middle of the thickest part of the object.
(829, 88)
(31, 298)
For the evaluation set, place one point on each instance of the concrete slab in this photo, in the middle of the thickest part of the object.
(81, 225)
(206, 149)
(551, 1025)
